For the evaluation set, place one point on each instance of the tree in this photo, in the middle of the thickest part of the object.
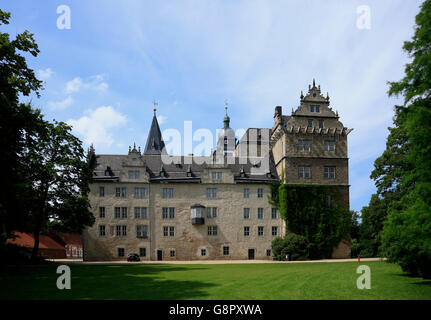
(406, 236)
(373, 217)
(46, 178)
(295, 246)
(60, 177)
(17, 121)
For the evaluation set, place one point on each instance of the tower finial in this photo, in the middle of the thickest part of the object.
(314, 83)
(226, 105)
(156, 104)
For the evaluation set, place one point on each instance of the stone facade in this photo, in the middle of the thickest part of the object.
(196, 208)
(310, 147)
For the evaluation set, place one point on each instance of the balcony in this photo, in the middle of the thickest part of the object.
(197, 214)
(198, 221)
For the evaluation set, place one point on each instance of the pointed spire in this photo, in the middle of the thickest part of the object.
(302, 95)
(314, 83)
(155, 143)
(226, 119)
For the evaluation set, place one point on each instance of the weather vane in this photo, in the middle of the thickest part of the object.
(156, 104)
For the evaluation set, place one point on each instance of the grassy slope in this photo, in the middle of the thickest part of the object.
(230, 281)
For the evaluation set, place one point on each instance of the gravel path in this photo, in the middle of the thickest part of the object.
(122, 262)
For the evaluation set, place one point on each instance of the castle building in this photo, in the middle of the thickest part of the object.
(216, 207)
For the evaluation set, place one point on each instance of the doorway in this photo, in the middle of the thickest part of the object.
(250, 254)
(159, 255)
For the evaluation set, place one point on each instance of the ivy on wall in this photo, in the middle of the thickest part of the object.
(308, 212)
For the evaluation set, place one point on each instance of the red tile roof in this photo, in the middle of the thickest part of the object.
(73, 239)
(27, 240)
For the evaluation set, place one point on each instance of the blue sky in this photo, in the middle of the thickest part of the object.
(103, 73)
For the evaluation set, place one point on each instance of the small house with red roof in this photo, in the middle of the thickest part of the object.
(47, 246)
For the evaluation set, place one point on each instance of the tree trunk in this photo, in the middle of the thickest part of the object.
(35, 250)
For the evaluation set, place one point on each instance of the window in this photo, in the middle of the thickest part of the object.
(329, 173)
(321, 124)
(140, 192)
(168, 213)
(121, 252)
(134, 174)
(305, 172)
(329, 146)
(246, 213)
(203, 252)
(168, 193)
(142, 231)
(330, 201)
(165, 231)
(273, 213)
(217, 175)
(314, 108)
(212, 230)
(102, 231)
(310, 123)
(211, 212)
(246, 231)
(304, 145)
(141, 213)
(225, 250)
(142, 252)
(117, 212)
(171, 231)
(268, 252)
(101, 191)
(260, 193)
(101, 212)
(211, 193)
(274, 231)
(123, 192)
(260, 213)
(121, 231)
(124, 213)
(246, 193)
(118, 192)
(172, 253)
(260, 231)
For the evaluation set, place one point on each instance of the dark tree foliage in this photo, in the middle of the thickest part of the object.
(406, 236)
(307, 213)
(45, 178)
(294, 246)
(18, 121)
(373, 216)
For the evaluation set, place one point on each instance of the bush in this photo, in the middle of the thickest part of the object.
(295, 246)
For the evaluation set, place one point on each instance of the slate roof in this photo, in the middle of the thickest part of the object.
(107, 168)
(155, 143)
(178, 172)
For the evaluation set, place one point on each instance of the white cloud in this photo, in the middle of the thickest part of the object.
(44, 74)
(61, 104)
(97, 125)
(74, 85)
(161, 119)
(96, 83)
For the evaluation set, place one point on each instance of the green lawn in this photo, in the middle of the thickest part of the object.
(218, 281)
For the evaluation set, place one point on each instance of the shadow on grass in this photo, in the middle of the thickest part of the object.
(134, 282)
(422, 282)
